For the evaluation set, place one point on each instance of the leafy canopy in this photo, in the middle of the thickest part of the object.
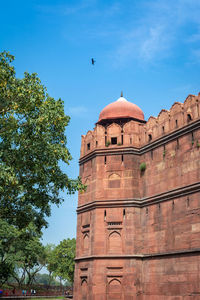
(22, 255)
(60, 261)
(32, 145)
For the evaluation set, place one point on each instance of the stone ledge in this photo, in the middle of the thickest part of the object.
(162, 197)
(141, 256)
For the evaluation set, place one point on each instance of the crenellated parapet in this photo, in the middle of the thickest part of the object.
(136, 134)
(179, 115)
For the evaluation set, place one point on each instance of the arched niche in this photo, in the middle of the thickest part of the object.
(99, 136)
(176, 115)
(114, 180)
(189, 101)
(131, 132)
(152, 121)
(85, 242)
(131, 126)
(89, 139)
(190, 106)
(114, 289)
(114, 134)
(163, 121)
(115, 243)
(84, 290)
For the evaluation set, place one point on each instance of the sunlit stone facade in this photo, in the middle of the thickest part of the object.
(138, 223)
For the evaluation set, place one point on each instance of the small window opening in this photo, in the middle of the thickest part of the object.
(88, 146)
(150, 137)
(163, 129)
(164, 151)
(189, 117)
(147, 211)
(114, 223)
(176, 123)
(130, 140)
(114, 141)
(124, 212)
(122, 138)
(188, 201)
(105, 160)
(192, 138)
(86, 226)
(122, 157)
(104, 215)
(96, 143)
(173, 205)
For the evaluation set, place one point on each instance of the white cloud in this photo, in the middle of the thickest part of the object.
(77, 111)
(146, 31)
(159, 29)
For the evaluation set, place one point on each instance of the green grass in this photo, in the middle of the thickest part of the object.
(49, 298)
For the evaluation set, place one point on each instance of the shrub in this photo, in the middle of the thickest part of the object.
(143, 167)
(107, 143)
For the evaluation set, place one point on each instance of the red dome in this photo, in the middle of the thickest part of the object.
(121, 109)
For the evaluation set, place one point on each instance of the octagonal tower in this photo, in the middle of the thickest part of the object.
(109, 166)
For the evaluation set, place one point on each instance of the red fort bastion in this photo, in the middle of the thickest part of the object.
(138, 223)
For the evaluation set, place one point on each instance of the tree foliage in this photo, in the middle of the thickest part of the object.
(8, 236)
(44, 279)
(60, 261)
(32, 144)
(22, 255)
(30, 256)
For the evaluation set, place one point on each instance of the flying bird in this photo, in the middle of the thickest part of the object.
(93, 61)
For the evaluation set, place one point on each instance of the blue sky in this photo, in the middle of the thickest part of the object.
(150, 49)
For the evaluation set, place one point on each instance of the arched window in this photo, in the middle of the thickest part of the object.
(189, 117)
(150, 137)
(84, 290)
(115, 243)
(114, 180)
(114, 290)
(86, 242)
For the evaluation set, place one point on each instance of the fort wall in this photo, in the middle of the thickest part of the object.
(138, 231)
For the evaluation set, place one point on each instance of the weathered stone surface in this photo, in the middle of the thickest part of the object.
(138, 233)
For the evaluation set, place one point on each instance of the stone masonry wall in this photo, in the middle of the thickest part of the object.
(138, 233)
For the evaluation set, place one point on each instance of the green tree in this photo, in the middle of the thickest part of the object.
(61, 261)
(51, 261)
(8, 236)
(44, 279)
(32, 145)
(30, 256)
(22, 255)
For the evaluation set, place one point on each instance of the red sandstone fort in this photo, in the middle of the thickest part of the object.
(138, 224)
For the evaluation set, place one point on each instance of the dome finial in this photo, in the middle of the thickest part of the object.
(121, 94)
